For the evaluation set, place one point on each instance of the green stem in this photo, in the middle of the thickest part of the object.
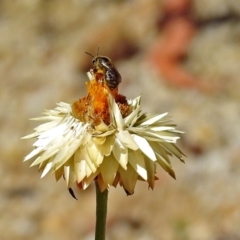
(101, 213)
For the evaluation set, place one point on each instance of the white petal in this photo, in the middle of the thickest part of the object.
(128, 178)
(69, 174)
(89, 171)
(105, 134)
(163, 136)
(73, 146)
(172, 148)
(162, 128)
(90, 76)
(47, 169)
(45, 156)
(46, 126)
(99, 140)
(144, 147)
(158, 149)
(33, 153)
(153, 119)
(63, 107)
(80, 169)
(52, 150)
(135, 102)
(94, 154)
(81, 154)
(120, 153)
(107, 147)
(117, 116)
(66, 152)
(151, 169)
(163, 159)
(132, 118)
(165, 165)
(32, 135)
(127, 140)
(102, 127)
(87, 181)
(108, 169)
(136, 160)
(58, 173)
(53, 132)
(47, 118)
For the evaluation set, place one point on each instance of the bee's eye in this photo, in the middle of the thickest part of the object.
(104, 59)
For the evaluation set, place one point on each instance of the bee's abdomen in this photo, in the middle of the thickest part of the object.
(113, 78)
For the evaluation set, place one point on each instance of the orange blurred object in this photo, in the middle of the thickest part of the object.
(170, 49)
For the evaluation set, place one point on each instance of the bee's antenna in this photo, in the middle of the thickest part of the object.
(89, 54)
(97, 51)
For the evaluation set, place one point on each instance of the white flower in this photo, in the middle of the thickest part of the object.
(122, 149)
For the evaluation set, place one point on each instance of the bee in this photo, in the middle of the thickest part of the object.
(103, 67)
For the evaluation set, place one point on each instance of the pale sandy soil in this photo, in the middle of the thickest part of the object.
(42, 45)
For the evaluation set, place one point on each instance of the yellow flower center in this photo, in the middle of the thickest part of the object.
(94, 108)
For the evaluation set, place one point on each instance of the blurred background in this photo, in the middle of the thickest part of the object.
(182, 56)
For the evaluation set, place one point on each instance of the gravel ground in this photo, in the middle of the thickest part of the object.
(42, 47)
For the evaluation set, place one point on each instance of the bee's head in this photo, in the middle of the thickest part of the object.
(101, 62)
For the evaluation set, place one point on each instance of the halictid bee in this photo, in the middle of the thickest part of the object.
(103, 65)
